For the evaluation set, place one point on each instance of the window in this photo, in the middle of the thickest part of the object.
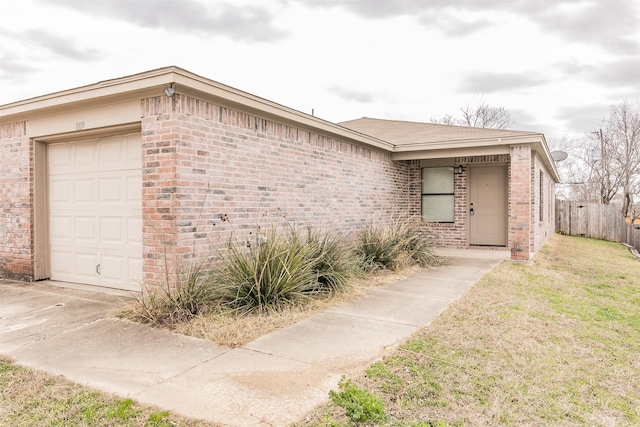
(437, 194)
(541, 196)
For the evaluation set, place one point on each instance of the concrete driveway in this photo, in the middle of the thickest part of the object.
(274, 380)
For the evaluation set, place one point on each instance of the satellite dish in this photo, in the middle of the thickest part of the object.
(559, 156)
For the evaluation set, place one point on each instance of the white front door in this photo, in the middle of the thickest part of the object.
(488, 206)
(95, 211)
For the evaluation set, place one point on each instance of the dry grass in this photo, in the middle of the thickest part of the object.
(552, 342)
(234, 330)
(32, 398)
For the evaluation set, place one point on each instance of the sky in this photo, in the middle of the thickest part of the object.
(556, 66)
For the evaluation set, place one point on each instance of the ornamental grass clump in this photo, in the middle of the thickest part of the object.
(178, 302)
(333, 262)
(397, 243)
(266, 273)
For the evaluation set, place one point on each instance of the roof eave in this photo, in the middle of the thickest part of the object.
(536, 140)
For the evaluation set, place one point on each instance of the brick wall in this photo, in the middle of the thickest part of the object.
(521, 201)
(203, 163)
(544, 213)
(16, 202)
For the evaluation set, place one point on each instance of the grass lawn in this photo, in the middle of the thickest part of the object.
(32, 398)
(551, 342)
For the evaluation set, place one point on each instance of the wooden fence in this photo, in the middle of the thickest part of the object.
(604, 222)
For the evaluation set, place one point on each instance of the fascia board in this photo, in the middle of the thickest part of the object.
(469, 143)
(446, 153)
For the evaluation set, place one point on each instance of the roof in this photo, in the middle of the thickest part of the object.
(402, 139)
(416, 140)
(401, 133)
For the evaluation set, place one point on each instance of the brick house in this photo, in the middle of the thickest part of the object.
(111, 183)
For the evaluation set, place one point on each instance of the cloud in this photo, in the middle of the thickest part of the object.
(378, 9)
(13, 70)
(26, 52)
(624, 72)
(611, 24)
(58, 46)
(584, 118)
(607, 24)
(238, 22)
(489, 82)
(352, 95)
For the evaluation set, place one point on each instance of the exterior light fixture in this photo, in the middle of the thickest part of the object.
(169, 90)
(459, 170)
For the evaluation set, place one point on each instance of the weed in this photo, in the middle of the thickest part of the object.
(360, 405)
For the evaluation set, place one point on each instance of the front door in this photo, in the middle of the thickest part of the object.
(488, 206)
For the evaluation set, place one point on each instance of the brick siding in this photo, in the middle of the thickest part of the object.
(16, 202)
(520, 202)
(204, 162)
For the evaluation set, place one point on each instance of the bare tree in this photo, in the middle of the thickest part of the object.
(617, 149)
(480, 115)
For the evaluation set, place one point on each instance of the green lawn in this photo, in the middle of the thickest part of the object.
(551, 342)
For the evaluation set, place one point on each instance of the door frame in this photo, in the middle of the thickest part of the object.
(505, 167)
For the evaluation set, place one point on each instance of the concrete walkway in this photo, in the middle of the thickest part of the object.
(272, 381)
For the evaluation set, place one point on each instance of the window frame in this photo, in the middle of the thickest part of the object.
(441, 193)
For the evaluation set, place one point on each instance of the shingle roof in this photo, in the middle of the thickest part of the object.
(407, 133)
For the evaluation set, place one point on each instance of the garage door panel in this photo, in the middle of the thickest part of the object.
(112, 267)
(111, 230)
(60, 229)
(135, 270)
(133, 185)
(111, 153)
(60, 159)
(84, 190)
(62, 263)
(96, 211)
(134, 231)
(84, 156)
(85, 230)
(60, 192)
(111, 190)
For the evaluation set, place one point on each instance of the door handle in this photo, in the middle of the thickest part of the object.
(98, 268)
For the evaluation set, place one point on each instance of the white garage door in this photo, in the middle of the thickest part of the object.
(95, 212)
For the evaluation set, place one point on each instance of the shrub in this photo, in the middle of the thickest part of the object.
(181, 302)
(397, 243)
(360, 405)
(267, 273)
